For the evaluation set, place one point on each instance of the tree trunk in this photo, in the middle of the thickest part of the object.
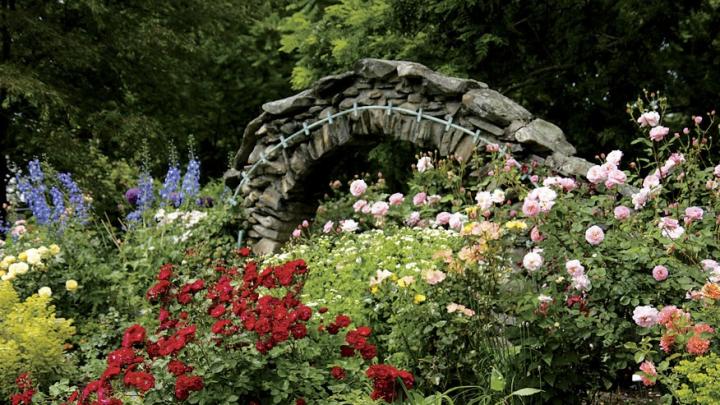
(7, 7)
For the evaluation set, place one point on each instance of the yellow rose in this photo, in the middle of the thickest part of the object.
(8, 277)
(18, 268)
(44, 251)
(33, 256)
(419, 298)
(71, 285)
(23, 256)
(45, 292)
(516, 225)
(374, 289)
(54, 249)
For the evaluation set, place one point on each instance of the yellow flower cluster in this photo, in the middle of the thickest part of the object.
(31, 337)
(11, 266)
(516, 225)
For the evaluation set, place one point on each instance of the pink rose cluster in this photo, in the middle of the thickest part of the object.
(712, 267)
(608, 173)
(670, 228)
(652, 119)
(565, 183)
(453, 307)
(485, 199)
(539, 200)
(576, 270)
(651, 183)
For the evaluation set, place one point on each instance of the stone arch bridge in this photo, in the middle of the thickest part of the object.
(297, 139)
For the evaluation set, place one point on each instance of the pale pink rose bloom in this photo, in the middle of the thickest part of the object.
(296, 233)
(379, 208)
(484, 199)
(711, 184)
(594, 235)
(20, 222)
(443, 218)
(425, 163)
(575, 268)
(468, 312)
(492, 147)
(645, 316)
(568, 184)
(686, 130)
(532, 261)
(452, 307)
(709, 264)
(658, 133)
(649, 119)
(510, 162)
(671, 228)
(666, 315)
(380, 276)
(433, 199)
(608, 167)
(651, 181)
(716, 172)
(305, 224)
(349, 225)
(543, 194)
(357, 188)
(18, 230)
(396, 199)
(498, 196)
(366, 208)
(434, 277)
(359, 205)
(535, 235)
(530, 207)
(407, 280)
(328, 227)
(677, 158)
(581, 283)
(621, 212)
(698, 119)
(693, 214)
(596, 175)
(660, 273)
(456, 221)
(534, 179)
(420, 199)
(615, 178)
(641, 198)
(413, 218)
(551, 181)
(614, 157)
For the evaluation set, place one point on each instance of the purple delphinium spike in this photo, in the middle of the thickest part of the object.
(168, 192)
(191, 181)
(144, 198)
(34, 195)
(75, 197)
(58, 202)
(36, 173)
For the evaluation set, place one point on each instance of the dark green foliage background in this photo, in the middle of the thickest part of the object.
(84, 82)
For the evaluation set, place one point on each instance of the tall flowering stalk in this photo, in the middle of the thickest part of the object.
(145, 197)
(58, 202)
(169, 191)
(191, 181)
(78, 207)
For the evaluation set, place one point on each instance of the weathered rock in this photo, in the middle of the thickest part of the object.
(266, 246)
(545, 134)
(329, 85)
(375, 68)
(290, 104)
(494, 107)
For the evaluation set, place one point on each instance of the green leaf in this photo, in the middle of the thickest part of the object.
(497, 381)
(525, 392)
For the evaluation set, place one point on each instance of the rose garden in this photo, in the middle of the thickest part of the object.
(390, 234)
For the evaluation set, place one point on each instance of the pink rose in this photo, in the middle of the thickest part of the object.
(641, 198)
(649, 119)
(456, 221)
(349, 225)
(328, 227)
(296, 233)
(357, 188)
(434, 277)
(651, 181)
(581, 283)
(18, 230)
(621, 212)
(396, 199)
(425, 163)
(433, 199)
(693, 214)
(648, 368)
(532, 261)
(568, 184)
(660, 273)
(413, 219)
(716, 172)
(614, 157)
(420, 199)
(697, 120)
(534, 179)
(594, 235)
(530, 207)
(492, 147)
(379, 208)
(305, 224)
(658, 133)
(443, 218)
(359, 205)
(671, 228)
(645, 316)
(596, 175)
(535, 235)
(709, 264)
(575, 268)
(615, 177)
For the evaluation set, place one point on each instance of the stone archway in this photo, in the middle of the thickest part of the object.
(404, 100)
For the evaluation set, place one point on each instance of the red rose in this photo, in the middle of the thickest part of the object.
(364, 331)
(139, 379)
(342, 321)
(165, 272)
(133, 335)
(338, 373)
(185, 384)
(217, 311)
(303, 312)
(322, 310)
(300, 401)
(178, 368)
(368, 351)
(243, 251)
(299, 331)
(347, 351)
(158, 291)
